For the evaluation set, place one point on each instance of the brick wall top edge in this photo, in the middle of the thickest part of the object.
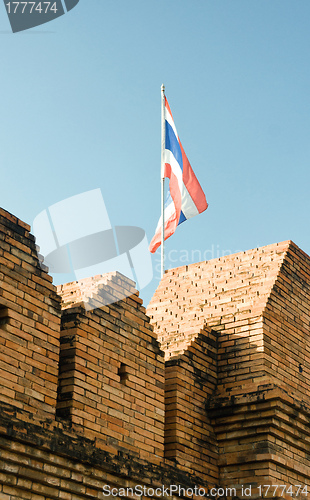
(281, 246)
(17, 236)
(276, 248)
(10, 217)
(114, 285)
(97, 279)
(296, 249)
(227, 287)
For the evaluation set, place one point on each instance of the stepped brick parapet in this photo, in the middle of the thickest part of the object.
(81, 383)
(210, 389)
(235, 286)
(111, 383)
(258, 303)
(29, 322)
(96, 291)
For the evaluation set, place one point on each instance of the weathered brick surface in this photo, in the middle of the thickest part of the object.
(111, 369)
(191, 379)
(230, 407)
(258, 303)
(36, 463)
(29, 324)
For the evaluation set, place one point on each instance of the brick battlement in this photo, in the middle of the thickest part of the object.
(111, 383)
(233, 286)
(258, 305)
(30, 324)
(87, 398)
(106, 289)
(248, 298)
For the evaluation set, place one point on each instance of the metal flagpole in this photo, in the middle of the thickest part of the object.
(163, 140)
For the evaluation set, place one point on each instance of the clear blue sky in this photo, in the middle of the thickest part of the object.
(80, 110)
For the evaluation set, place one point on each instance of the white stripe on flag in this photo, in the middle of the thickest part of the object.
(169, 119)
(188, 207)
(175, 167)
(169, 211)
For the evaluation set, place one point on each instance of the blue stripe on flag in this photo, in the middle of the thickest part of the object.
(182, 218)
(173, 145)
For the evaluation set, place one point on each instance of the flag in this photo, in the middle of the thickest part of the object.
(185, 197)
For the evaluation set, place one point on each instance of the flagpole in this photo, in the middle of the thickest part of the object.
(163, 140)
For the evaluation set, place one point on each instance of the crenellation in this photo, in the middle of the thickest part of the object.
(210, 387)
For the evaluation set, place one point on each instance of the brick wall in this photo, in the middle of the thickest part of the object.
(29, 323)
(107, 426)
(87, 400)
(286, 321)
(191, 379)
(111, 369)
(39, 464)
(258, 304)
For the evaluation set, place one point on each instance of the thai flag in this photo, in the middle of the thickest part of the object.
(185, 197)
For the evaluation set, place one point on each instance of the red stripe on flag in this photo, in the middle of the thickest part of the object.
(168, 107)
(172, 222)
(192, 185)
